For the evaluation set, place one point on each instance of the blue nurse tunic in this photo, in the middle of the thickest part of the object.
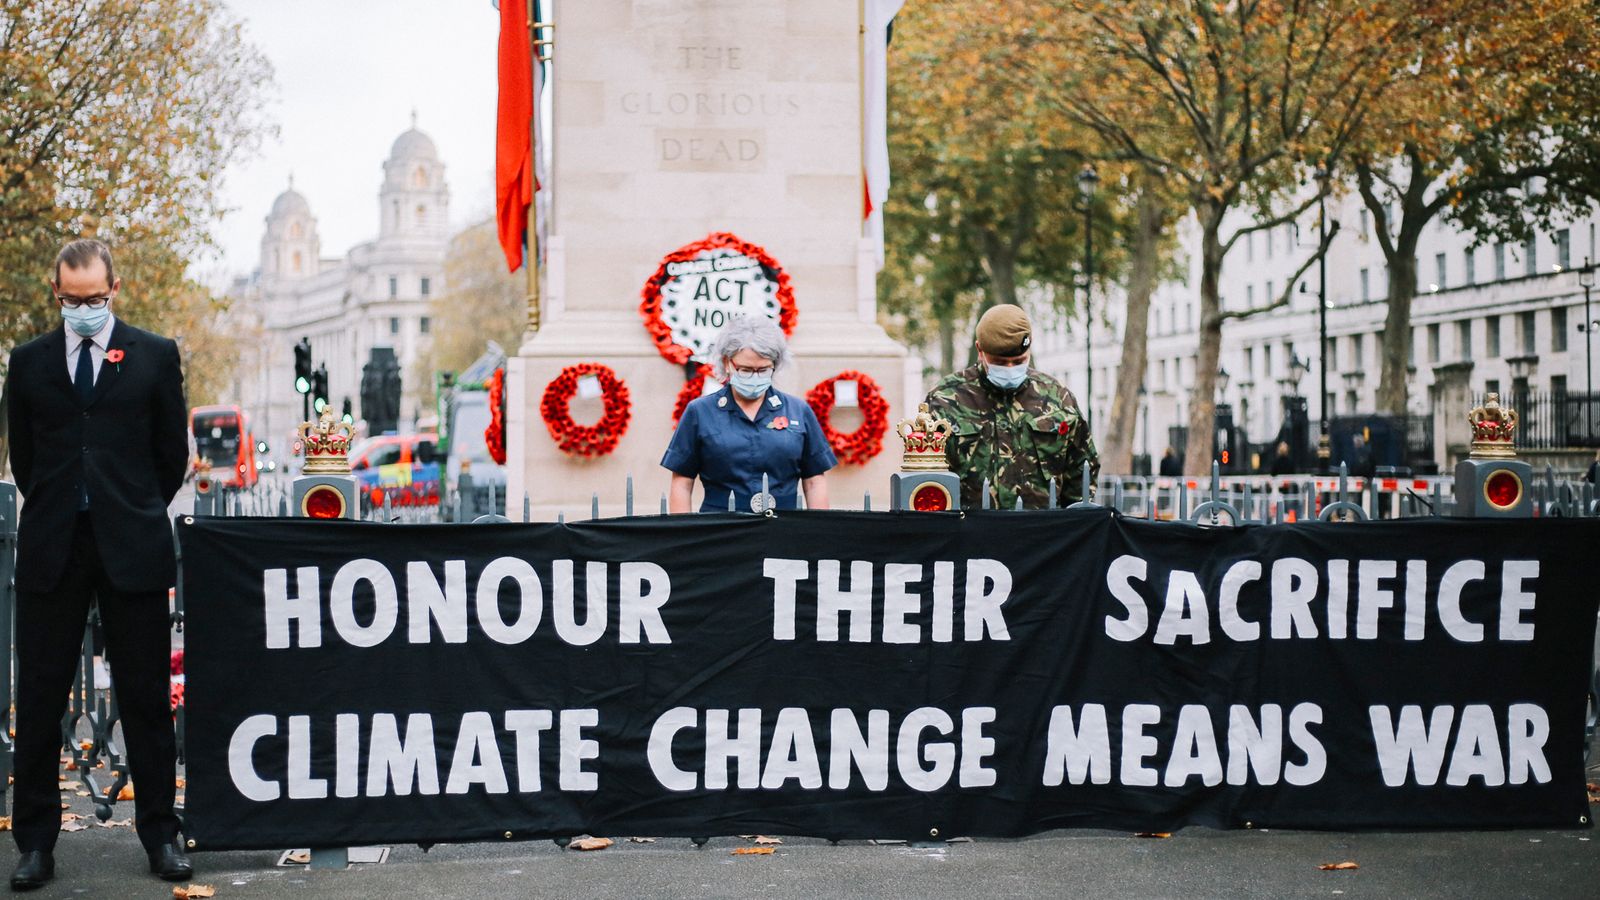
(717, 443)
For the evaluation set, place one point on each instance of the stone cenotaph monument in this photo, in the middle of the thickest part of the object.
(706, 161)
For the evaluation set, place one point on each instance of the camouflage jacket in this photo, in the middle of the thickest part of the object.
(1017, 440)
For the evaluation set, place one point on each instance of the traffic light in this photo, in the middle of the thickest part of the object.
(348, 416)
(319, 389)
(302, 366)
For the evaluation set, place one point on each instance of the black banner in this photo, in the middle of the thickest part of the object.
(857, 675)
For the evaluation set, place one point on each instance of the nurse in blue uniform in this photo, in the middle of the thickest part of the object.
(731, 438)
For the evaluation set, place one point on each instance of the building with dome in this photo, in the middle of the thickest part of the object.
(376, 296)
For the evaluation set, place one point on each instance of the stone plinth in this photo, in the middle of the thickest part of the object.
(674, 119)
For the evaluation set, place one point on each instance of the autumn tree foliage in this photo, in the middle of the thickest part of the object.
(983, 202)
(117, 119)
(1491, 125)
(1232, 103)
(481, 302)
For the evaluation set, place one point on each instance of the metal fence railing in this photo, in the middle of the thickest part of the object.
(1554, 420)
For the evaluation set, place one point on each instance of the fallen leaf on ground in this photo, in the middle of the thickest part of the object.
(68, 817)
(298, 857)
(763, 839)
(1153, 834)
(85, 745)
(640, 840)
(1331, 867)
(65, 805)
(82, 793)
(73, 826)
(182, 782)
(752, 851)
(115, 823)
(60, 777)
(590, 843)
(178, 799)
(69, 765)
(5, 823)
(126, 793)
(69, 785)
(193, 891)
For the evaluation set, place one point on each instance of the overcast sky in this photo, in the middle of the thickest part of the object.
(347, 75)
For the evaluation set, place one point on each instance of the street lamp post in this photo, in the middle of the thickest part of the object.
(1324, 453)
(1088, 179)
(1586, 278)
(1222, 424)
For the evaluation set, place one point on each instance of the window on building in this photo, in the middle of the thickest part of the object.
(1350, 401)
(1433, 343)
(1266, 359)
(419, 178)
(1411, 349)
(1491, 336)
(1357, 347)
(1441, 269)
(1331, 354)
(1530, 255)
(299, 263)
(1464, 339)
(1249, 296)
(1499, 262)
(1470, 258)
(1364, 231)
(1564, 249)
(394, 288)
(296, 231)
(1250, 247)
(1558, 385)
(426, 286)
(425, 325)
(1268, 233)
(1529, 345)
(1366, 285)
(394, 325)
(1492, 385)
(1250, 363)
(1271, 296)
(1558, 329)
(422, 214)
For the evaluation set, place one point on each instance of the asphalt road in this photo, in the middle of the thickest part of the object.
(1196, 862)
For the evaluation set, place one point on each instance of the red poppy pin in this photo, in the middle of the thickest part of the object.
(114, 356)
(779, 424)
(1064, 427)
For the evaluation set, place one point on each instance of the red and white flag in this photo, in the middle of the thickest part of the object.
(875, 133)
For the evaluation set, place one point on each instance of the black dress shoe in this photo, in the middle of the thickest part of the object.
(34, 869)
(170, 864)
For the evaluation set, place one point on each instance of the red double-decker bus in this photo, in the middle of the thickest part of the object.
(223, 441)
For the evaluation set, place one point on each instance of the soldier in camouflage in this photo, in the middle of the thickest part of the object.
(1014, 427)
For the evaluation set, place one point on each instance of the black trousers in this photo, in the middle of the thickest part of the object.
(49, 641)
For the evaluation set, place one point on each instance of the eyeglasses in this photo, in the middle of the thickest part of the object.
(91, 302)
(747, 371)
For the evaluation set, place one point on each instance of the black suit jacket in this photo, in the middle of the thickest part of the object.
(129, 444)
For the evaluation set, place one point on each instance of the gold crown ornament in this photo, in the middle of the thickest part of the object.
(924, 435)
(1493, 428)
(326, 445)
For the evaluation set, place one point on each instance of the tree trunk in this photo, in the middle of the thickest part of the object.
(1202, 400)
(1116, 446)
(1393, 384)
(947, 339)
(1000, 264)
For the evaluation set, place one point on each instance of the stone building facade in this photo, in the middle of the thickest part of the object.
(376, 295)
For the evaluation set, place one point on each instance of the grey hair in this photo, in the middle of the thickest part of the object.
(757, 333)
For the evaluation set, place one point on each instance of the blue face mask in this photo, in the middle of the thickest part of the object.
(750, 387)
(84, 321)
(1007, 378)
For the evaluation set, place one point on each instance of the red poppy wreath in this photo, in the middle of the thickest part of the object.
(718, 269)
(586, 440)
(690, 392)
(859, 446)
(495, 435)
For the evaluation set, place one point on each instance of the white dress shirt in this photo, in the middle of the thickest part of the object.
(97, 350)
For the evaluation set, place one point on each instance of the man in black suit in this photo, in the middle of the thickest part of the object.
(99, 448)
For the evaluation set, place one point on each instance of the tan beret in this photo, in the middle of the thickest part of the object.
(1005, 331)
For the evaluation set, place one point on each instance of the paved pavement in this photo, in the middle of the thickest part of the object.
(1197, 862)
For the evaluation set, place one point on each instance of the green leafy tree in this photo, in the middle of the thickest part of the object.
(481, 303)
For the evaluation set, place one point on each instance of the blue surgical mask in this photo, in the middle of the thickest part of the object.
(751, 387)
(1007, 378)
(85, 322)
